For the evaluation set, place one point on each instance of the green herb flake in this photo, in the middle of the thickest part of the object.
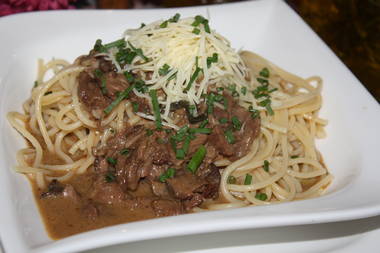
(164, 24)
(149, 132)
(294, 156)
(196, 31)
(180, 154)
(194, 75)
(135, 106)
(48, 93)
(229, 136)
(266, 166)
(213, 59)
(124, 151)
(223, 120)
(204, 123)
(169, 173)
(231, 180)
(236, 123)
(139, 52)
(164, 70)
(197, 159)
(156, 108)
(261, 196)
(111, 161)
(35, 84)
(264, 72)
(243, 90)
(175, 18)
(110, 177)
(248, 179)
(121, 96)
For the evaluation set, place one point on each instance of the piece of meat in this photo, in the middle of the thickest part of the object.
(167, 207)
(115, 83)
(219, 141)
(128, 176)
(100, 165)
(159, 189)
(106, 193)
(199, 140)
(57, 189)
(213, 180)
(194, 201)
(250, 129)
(90, 94)
(185, 184)
(90, 211)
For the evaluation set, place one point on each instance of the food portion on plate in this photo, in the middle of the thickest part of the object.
(168, 120)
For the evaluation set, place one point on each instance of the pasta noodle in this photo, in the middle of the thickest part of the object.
(283, 163)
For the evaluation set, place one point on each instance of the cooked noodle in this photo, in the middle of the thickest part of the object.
(55, 123)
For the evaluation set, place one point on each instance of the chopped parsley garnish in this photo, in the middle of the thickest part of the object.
(229, 136)
(135, 106)
(140, 86)
(124, 151)
(111, 161)
(169, 173)
(129, 76)
(232, 88)
(48, 93)
(201, 20)
(197, 159)
(194, 75)
(236, 123)
(180, 154)
(149, 132)
(173, 19)
(213, 59)
(243, 90)
(262, 80)
(263, 91)
(156, 108)
(164, 70)
(254, 113)
(142, 25)
(231, 180)
(121, 96)
(248, 179)
(99, 47)
(264, 72)
(125, 56)
(223, 120)
(35, 84)
(267, 104)
(138, 51)
(164, 24)
(196, 31)
(110, 177)
(261, 196)
(294, 156)
(204, 123)
(99, 74)
(266, 166)
(220, 89)
(200, 130)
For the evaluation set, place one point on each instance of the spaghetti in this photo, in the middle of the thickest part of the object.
(180, 60)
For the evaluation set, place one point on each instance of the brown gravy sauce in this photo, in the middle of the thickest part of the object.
(64, 217)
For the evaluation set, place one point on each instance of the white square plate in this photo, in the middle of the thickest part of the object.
(269, 28)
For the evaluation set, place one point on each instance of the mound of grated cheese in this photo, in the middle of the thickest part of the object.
(177, 46)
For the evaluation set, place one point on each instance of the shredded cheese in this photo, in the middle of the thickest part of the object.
(177, 46)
